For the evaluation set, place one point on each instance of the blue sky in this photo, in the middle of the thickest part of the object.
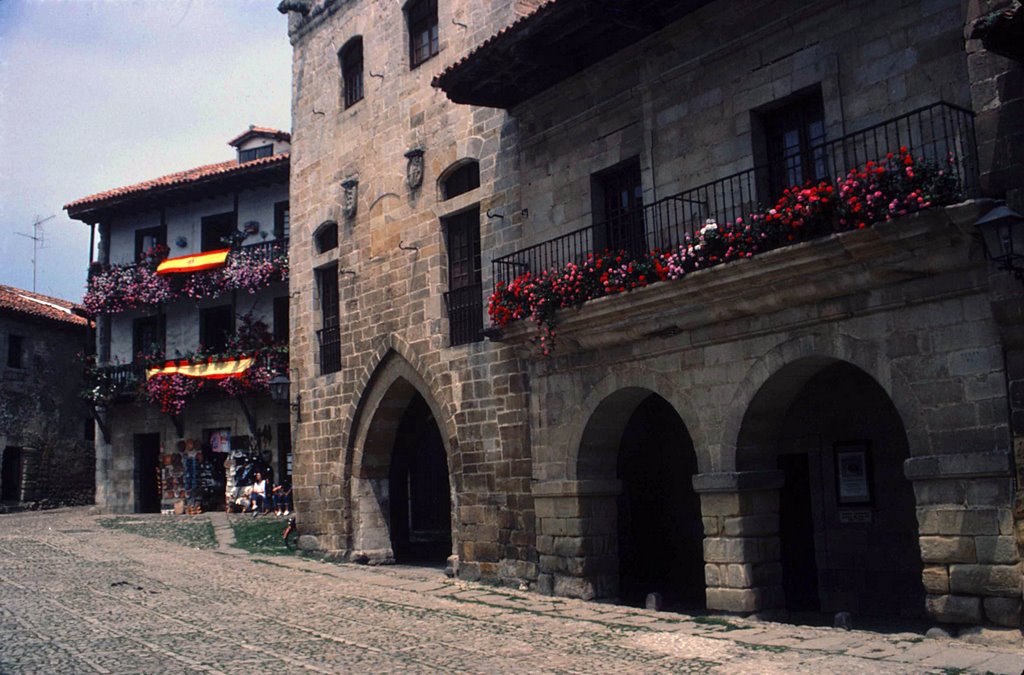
(96, 94)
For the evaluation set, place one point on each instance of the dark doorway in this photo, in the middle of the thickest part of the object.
(420, 494)
(799, 569)
(147, 473)
(660, 532)
(10, 475)
(618, 209)
(217, 231)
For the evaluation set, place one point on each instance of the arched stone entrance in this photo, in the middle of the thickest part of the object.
(847, 527)
(650, 533)
(402, 499)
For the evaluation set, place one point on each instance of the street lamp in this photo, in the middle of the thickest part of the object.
(280, 390)
(1002, 232)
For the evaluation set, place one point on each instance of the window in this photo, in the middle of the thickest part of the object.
(147, 238)
(326, 237)
(422, 31)
(351, 58)
(218, 231)
(15, 351)
(461, 180)
(794, 135)
(255, 153)
(148, 337)
(618, 209)
(282, 221)
(281, 318)
(216, 326)
(465, 292)
(330, 313)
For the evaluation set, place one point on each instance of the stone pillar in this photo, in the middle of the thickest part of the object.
(972, 570)
(742, 554)
(577, 538)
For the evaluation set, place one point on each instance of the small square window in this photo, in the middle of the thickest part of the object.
(255, 153)
(15, 351)
(282, 220)
(351, 57)
(423, 36)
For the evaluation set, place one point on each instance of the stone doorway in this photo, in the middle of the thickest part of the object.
(420, 494)
(848, 537)
(402, 500)
(653, 526)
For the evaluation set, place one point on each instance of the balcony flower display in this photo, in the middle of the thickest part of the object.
(192, 374)
(880, 191)
(117, 288)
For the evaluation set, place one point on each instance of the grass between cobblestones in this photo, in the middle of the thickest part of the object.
(181, 530)
(260, 535)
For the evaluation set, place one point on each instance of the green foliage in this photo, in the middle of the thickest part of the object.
(194, 533)
(260, 535)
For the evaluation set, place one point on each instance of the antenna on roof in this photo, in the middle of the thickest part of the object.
(38, 242)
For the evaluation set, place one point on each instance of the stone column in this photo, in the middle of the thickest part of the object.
(577, 538)
(971, 565)
(742, 554)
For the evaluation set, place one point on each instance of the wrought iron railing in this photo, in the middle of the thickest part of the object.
(330, 349)
(268, 250)
(122, 377)
(465, 314)
(940, 132)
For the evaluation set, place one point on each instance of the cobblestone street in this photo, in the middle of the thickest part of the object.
(76, 597)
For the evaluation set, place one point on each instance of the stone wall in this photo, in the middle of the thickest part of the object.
(531, 442)
(392, 275)
(928, 339)
(41, 412)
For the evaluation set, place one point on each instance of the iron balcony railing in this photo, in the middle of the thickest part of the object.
(940, 132)
(465, 314)
(275, 249)
(268, 250)
(123, 377)
(330, 349)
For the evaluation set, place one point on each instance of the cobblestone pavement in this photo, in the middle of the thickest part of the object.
(79, 598)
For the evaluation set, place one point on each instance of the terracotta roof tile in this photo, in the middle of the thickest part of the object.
(42, 306)
(179, 178)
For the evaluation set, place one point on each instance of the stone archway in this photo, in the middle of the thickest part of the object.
(846, 528)
(400, 477)
(648, 537)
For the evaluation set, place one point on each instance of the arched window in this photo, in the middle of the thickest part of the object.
(422, 17)
(326, 236)
(351, 62)
(461, 179)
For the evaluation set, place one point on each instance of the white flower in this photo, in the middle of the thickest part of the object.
(709, 225)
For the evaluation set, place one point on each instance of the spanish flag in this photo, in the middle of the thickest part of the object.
(196, 262)
(210, 370)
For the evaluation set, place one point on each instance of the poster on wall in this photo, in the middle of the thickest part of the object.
(853, 474)
(220, 440)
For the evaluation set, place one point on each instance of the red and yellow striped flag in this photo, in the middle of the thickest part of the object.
(210, 370)
(195, 262)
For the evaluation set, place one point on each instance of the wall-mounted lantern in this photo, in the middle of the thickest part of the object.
(1002, 232)
(280, 392)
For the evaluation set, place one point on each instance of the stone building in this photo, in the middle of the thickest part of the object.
(46, 449)
(190, 295)
(820, 424)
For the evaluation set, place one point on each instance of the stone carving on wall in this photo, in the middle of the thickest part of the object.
(349, 197)
(414, 168)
